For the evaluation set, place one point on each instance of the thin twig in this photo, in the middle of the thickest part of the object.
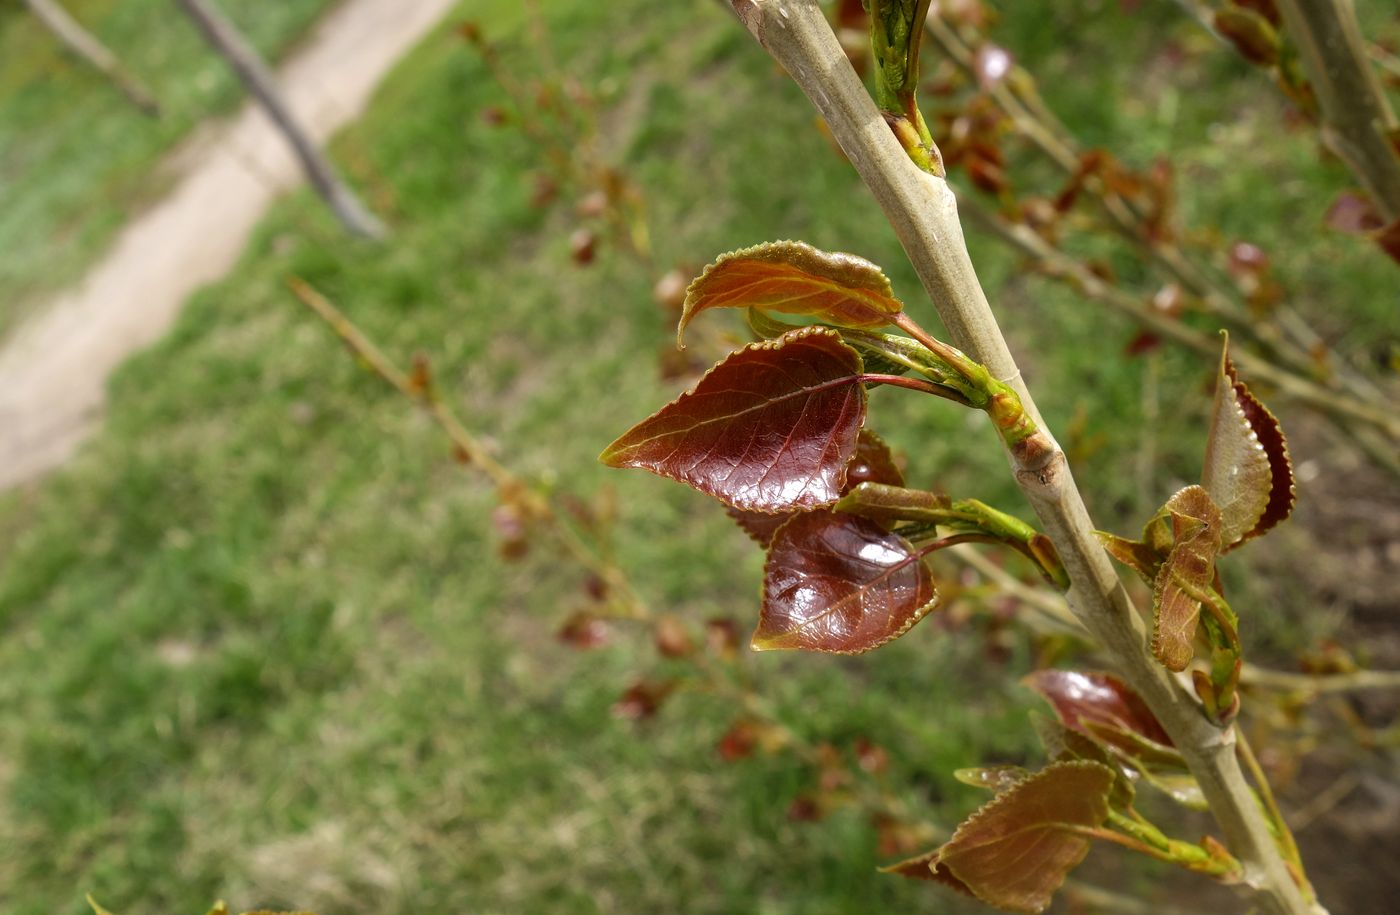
(1324, 801)
(1060, 266)
(1018, 100)
(1052, 607)
(422, 392)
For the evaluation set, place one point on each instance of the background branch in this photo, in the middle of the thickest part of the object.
(1359, 124)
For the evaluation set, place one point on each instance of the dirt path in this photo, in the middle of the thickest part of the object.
(54, 368)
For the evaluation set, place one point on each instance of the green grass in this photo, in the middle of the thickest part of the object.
(75, 156)
(257, 642)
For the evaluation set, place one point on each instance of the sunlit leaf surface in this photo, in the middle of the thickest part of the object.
(792, 277)
(1081, 698)
(771, 428)
(1248, 472)
(872, 463)
(1017, 850)
(840, 583)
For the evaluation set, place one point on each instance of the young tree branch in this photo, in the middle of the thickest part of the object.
(1359, 124)
(923, 212)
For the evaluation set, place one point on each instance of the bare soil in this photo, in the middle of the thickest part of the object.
(54, 368)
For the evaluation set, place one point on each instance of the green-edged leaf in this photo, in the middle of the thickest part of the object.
(1065, 745)
(994, 778)
(1248, 472)
(1017, 850)
(889, 504)
(766, 327)
(1181, 787)
(842, 584)
(792, 277)
(872, 461)
(1083, 698)
(1190, 566)
(770, 429)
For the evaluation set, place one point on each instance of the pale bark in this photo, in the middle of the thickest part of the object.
(923, 212)
(258, 79)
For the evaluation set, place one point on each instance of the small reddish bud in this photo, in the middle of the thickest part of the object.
(510, 527)
(738, 742)
(596, 588)
(494, 116)
(584, 631)
(592, 205)
(642, 700)
(672, 638)
(669, 291)
(873, 759)
(583, 246)
(722, 636)
(805, 809)
(1248, 258)
(545, 191)
(471, 31)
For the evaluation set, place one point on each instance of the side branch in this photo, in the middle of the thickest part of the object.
(923, 212)
(1359, 124)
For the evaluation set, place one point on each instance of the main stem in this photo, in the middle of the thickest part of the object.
(922, 210)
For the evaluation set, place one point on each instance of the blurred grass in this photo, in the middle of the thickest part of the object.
(75, 156)
(257, 642)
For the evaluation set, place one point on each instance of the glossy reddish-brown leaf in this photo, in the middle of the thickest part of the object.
(771, 428)
(924, 867)
(760, 526)
(872, 462)
(1080, 699)
(840, 583)
(1196, 528)
(1389, 240)
(1017, 850)
(1248, 471)
(795, 278)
